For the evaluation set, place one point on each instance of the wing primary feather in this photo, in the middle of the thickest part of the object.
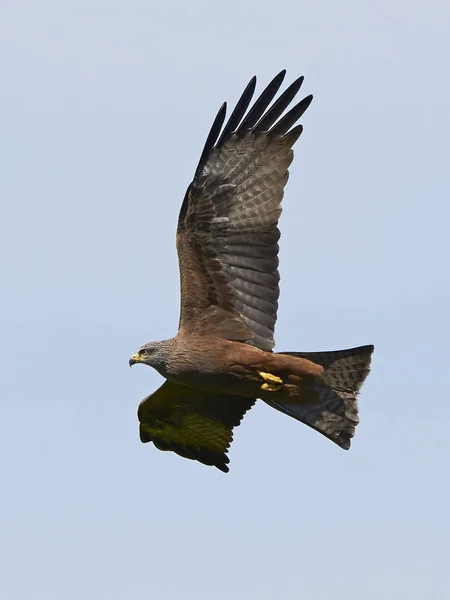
(279, 107)
(263, 101)
(292, 136)
(238, 112)
(212, 137)
(291, 117)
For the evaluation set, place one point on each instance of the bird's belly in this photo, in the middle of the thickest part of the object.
(235, 379)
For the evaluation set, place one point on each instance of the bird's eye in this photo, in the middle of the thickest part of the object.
(143, 352)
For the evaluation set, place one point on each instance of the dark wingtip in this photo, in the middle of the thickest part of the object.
(291, 117)
(257, 117)
(222, 467)
(277, 109)
(261, 104)
(238, 112)
(212, 136)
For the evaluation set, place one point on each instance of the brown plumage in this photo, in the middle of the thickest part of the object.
(221, 360)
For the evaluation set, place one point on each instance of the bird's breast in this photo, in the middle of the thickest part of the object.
(215, 365)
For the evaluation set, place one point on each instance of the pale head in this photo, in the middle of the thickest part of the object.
(154, 354)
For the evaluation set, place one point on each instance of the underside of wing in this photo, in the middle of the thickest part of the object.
(228, 234)
(195, 424)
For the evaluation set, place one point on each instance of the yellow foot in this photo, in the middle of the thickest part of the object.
(272, 382)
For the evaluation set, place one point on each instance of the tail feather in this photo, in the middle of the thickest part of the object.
(335, 410)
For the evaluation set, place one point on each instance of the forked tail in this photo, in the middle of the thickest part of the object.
(335, 410)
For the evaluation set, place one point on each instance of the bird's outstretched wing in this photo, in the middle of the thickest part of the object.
(227, 236)
(194, 424)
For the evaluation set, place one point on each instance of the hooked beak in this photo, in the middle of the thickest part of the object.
(134, 359)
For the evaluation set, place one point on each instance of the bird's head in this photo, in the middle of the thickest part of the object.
(153, 354)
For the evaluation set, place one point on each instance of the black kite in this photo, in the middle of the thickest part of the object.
(221, 360)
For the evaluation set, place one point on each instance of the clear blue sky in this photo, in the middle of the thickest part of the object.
(105, 107)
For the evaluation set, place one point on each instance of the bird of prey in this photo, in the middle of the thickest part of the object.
(221, 360)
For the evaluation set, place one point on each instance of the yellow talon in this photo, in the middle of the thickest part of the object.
(270, 378)
(272, 382)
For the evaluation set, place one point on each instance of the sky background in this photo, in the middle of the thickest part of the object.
(104, 109)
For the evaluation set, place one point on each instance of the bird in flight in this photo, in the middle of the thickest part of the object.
(221, 360)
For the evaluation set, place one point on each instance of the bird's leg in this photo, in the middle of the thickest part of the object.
(272, 382)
